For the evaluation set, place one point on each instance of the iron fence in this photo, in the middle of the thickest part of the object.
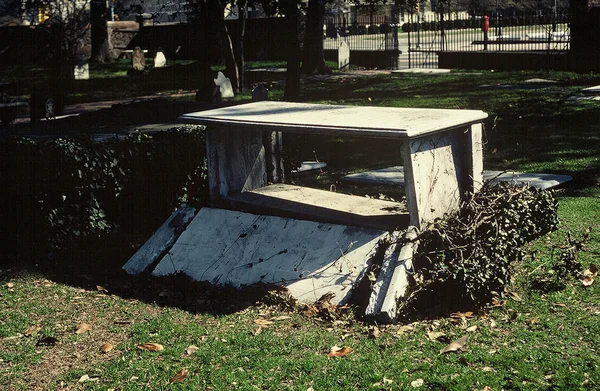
(374, 41)
(430, 34)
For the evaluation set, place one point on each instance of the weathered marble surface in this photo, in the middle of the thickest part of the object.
(160, 241)
(364, 121)
(394, 277)
(235, 248)
(321, 206)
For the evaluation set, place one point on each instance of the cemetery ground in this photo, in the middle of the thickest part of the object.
(82, 324)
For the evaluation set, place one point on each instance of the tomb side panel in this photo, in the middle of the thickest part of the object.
(435, 167)
(236, 161)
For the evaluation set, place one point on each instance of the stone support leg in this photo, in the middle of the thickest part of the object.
(441, 170)
(242, 160)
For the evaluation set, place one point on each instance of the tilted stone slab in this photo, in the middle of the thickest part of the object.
(395, 176)
(394, 278)
(309, 166)
(160, 241)
(235, 248)
(592, 90)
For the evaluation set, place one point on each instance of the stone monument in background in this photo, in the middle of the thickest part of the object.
(138, 61)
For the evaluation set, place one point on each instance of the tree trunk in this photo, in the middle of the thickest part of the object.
(243, 7)
(98, 13)
(231, 66)
(314, 57)
(208, 37)
(292, 78)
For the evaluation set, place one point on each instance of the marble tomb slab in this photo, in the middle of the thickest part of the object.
(234, 248)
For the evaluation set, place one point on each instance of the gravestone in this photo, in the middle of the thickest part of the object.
(82, 72)
(343, 56)
(138, 61)
(224, 85)
(160, 60)
(260, 93)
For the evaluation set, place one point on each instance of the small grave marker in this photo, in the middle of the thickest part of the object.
(160, 60)
(224, 85)
(343, 56)
(82, 72)
(138, 61)
(260, 93)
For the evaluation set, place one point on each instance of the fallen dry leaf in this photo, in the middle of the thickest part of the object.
(101, 289)
(339, 352)
(515, 296)
(455, 346)
(154, 347)
(433, 335)
(417, 383)
(587, 281)
(310, 310)
(263, 322)
(374, 332)
(191, 349)
(487, 388)
(105, 348)
(31, 329)
(384, 382)
(471, 329)
(10, 285)
(179, 376)
(281, 317)
(82, 328)
(257, 330)
(86, 378)
(560, 305)
(498, 303)
(592, 271)
(532, 321)
(462, 315)
(406, 329)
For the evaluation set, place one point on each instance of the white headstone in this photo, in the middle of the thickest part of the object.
(224, 85)
(82, 72)
(343, 56)
(160, 60)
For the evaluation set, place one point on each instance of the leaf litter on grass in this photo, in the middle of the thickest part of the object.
(336, 351)
(456, 345)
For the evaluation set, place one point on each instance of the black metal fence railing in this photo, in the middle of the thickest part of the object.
(374, 41)
(520, 32)
(430, 34)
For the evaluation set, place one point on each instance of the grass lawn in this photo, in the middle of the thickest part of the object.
(539, 334)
